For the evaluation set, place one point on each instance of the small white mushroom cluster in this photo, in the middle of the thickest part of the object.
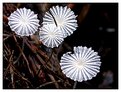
(58, 23)
(64, 22)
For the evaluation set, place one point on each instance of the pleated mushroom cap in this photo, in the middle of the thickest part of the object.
(63, 17)
(23, 22)
(50, 36)
(82, 65)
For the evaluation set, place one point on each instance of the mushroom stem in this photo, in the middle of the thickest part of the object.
(52, 60)
(75, 83)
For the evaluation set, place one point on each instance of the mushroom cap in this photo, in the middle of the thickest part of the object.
(23, 22)
(63, 17)
(82, 65)
(50, 35)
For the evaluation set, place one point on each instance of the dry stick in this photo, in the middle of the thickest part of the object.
(35, 40)
(43, 54)
(6, 38)
(35, 50)
(45, 65)
(6, 70)
(42, 62)
(47, 59)
(6, 35)
(5, 53)
(19, 75)
(27, 62)
(8, 60)
(39, 70)
(52, 60)
(8, 52)
(56, 63)
(12, 77)
(20, 53)
(11, 70)
(35, 68)
(38, 57)
(6, 48)
(57, 86)
(47, 83)
(13, 67)
(5, 57)
(50, 56)
(23, 78)
(53, 80)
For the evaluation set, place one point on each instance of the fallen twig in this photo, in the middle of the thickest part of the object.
(47, 83)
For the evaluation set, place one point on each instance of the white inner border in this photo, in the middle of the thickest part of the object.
(54, 1)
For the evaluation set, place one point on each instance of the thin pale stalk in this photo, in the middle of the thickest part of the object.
(75, 83)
